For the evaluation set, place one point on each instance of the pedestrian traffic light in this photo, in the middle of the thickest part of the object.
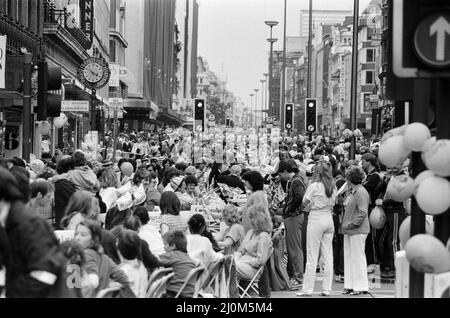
(419, 37)
(311, 115)
(289, 116)
(199, 116)
(49, 78)
(228, 123)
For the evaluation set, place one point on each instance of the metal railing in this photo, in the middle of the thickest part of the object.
(65, 20)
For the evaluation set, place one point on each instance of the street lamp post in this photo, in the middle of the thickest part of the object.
(354, 82)
(256, 106)
(283, 80)
(278, 53)
(271, 40)
(262, 100)
(266, 75)
(251, 109)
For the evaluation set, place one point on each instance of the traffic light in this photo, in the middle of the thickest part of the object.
(386, 120)
(228, 123)
(199, 116)
(289, 116)
(49, 78)
(311, 115)
(419, 33)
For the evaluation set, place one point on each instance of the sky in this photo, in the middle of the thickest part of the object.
(232, 36)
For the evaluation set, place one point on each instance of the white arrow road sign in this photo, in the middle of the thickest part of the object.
(441, 28)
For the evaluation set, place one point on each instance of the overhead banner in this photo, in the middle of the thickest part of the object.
(2, 60)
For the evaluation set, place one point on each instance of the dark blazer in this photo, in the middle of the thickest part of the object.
(296, 188)
(64, 189)
(33, 247)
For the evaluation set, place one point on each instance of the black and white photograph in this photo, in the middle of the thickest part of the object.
(239, 155)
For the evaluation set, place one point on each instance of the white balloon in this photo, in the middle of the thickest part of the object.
(64, 118)
(422, 176)
(399, 131)
(437, 157)
(357, 133)
(433, 195)
(392, 152)
(427, 145)
(400, 188)
(44, 128)
(377, 218)
(427, 254)
(58, 122)
(404, 231)
(416, 134)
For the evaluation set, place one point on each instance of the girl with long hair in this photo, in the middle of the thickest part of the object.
(100, 269)
(81, 206)
(319, 200)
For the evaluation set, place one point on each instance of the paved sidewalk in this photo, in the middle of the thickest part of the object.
(377, 287)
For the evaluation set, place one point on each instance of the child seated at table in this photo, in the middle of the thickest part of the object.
(234, 234)
(129, 245)
(170, 208)
(199, 247)
(176, 256)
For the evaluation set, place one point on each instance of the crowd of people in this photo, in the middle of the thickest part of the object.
(308, 203)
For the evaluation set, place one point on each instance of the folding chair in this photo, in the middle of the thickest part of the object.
(217, 277)
(253, 284)
(194, 274)
(209, 276)
(158, 281)
(161, 286)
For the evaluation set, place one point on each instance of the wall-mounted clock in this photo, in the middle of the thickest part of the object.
(94, 73)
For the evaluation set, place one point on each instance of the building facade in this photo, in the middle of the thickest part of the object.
(321, 17)
(21, 30)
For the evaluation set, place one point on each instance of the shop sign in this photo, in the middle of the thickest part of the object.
(87, 18)
(75, 106)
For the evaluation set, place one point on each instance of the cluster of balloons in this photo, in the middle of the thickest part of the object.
(59, 122)
(347, 133)
(425, 253)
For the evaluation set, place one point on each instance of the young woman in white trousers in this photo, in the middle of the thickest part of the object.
(319, 200)
(319, 237)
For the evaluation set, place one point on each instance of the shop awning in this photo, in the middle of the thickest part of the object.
(5, 94)
(170, 119)
(141, 103)
(74, 84)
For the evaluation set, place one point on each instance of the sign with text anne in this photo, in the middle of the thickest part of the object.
(75, 106)
(87, 18)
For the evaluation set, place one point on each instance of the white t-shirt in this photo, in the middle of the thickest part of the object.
(109, 197)
(316, 194)
(152, 236)
(137, 275)
(200, 250)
